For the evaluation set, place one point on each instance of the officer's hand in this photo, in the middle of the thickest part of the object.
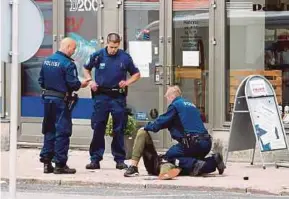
(85, 83)
(93, 86)
(122, 84)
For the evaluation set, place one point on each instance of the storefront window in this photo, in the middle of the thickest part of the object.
(257, 43)
(142, 30)
(81, 25)
(191, 51)
(31, 68)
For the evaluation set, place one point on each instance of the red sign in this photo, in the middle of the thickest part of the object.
(190, 4)
(72, 24)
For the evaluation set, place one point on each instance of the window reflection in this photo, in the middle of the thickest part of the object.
(257, 43)
(191, 51)
(31, 68)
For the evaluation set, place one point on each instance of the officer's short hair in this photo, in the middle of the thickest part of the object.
(174, 90)
(113, 37)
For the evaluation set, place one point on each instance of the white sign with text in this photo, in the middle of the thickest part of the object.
(258, 87)
(83, 5)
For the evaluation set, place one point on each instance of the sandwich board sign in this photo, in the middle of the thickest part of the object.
(256, 117)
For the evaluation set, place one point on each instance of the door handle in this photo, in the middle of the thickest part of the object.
(161, 39)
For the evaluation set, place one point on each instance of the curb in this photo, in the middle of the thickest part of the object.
(80, 183)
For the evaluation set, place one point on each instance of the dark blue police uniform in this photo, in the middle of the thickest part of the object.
(109, 71)
(58, 74)
(183, 118)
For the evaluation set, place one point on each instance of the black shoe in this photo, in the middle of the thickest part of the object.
(131, 171)
(197, 170)
(220, 163)
(121, 165)
(48, 168)
(63, 170)
(93, 166)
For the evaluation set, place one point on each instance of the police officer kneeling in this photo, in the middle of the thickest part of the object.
(58, 78)
(184, 122)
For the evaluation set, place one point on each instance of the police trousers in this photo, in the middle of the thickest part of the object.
(57, 129)
(103, 106)
(187, 157)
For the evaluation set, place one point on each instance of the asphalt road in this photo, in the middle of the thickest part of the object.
(73, 192)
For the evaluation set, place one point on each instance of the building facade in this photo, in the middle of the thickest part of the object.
(205, 46)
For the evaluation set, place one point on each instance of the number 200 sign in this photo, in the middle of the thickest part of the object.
(83, 5)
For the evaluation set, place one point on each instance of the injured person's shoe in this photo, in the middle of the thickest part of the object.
(131, 171)
(168, 171)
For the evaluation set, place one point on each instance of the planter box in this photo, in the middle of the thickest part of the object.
(5, 136)
(128, 143)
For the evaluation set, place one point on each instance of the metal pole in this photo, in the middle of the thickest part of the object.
(1, 33)
(252, 162)
(14, 100)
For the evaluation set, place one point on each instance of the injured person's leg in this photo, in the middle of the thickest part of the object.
(144, 147)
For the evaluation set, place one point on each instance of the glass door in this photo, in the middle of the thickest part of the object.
(187, 51)
(143, 29)
(190, 51)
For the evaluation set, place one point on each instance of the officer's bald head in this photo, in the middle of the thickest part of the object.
(67, 46)
(172, 93)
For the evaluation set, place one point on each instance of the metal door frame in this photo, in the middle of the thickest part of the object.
(219, 104)
(162, 62)
(3, 93)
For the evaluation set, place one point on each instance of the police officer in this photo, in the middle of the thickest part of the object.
(184, 122)
(58, 78)
(109, 92)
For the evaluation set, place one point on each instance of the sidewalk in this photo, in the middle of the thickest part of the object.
(29, 170)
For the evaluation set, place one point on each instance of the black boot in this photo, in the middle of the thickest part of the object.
(197, 169)
(63, 170)
(220, 163)
(93, 166)
(48, 168)
(131, 171)
(121, 165)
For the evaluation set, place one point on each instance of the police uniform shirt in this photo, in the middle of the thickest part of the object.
(111, 69)
(59, 73)
(181, 117)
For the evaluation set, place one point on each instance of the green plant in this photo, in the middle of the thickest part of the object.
(129, 130)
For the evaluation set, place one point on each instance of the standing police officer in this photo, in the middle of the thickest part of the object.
(109, 92)
(184, 122)
(58, 78)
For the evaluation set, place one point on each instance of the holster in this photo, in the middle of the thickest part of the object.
(71, 101)
(192, 139)
(111, 92)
